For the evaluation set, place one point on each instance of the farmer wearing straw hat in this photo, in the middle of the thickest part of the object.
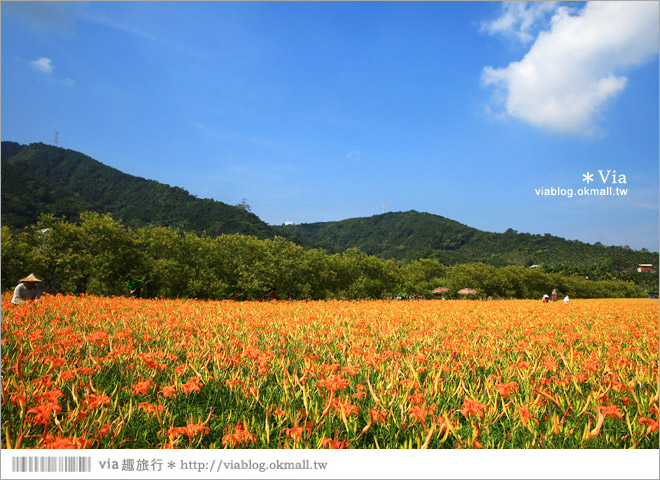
(26, 290)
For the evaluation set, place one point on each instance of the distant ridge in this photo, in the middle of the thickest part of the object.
(413, 235)
(40, 178)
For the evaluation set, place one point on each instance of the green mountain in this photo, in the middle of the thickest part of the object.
(412, 235)
(40, 178)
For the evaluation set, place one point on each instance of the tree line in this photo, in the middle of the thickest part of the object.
(100, 255)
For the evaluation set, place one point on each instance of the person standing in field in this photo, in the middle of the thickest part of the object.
(26, 290)
(135, 288)
(553, 296)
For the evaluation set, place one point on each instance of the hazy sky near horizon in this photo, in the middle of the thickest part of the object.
(320, 111)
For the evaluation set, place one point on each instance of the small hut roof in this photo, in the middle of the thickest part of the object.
(468, 291)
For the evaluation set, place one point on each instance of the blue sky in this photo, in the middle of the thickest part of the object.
(320, 111)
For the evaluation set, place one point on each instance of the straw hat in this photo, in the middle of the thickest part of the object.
(30, 278)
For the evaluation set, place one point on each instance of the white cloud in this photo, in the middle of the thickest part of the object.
(43, 64)
(574, 68)
(518, 19)
(354, 155)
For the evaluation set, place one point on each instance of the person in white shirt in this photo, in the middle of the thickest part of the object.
(26, 290)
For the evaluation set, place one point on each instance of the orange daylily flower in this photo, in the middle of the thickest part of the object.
(104, 430)
(612, 411)
(193, 385)
(345, 407)
(18, 398)
(361, 392)
(297, 431)
(505, 389)
(333, 383)
(42, 413)
(50, 441)
(351, 370)
(54, 361)
(241, 435)
(141, 388)
(95, 401)
(472, 407)
(419, 412)
(649, 422)
(334, 443)
(377, 415)
(168, 391)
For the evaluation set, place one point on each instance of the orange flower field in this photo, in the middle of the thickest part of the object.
(98, 372)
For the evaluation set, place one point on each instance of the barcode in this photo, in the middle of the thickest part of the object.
(51, 464)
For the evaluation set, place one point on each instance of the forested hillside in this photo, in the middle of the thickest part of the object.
(412, 235)
(40, 179)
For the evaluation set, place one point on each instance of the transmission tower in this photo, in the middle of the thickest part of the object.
(57, 134)
(383, 206)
